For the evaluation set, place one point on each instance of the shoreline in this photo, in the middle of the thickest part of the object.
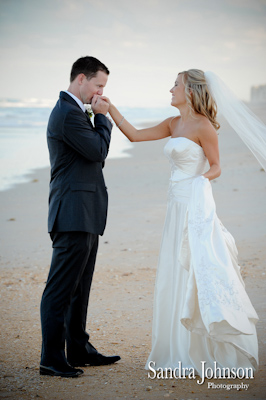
(120, 309)
(120, 147)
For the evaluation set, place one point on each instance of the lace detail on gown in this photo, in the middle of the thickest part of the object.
(213, 290)
(199, 224)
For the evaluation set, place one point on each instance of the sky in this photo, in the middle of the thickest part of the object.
(144, 43)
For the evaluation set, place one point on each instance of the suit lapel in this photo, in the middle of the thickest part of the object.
(65, 96)
(70, 99)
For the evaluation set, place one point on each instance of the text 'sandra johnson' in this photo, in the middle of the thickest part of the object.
(209, 373)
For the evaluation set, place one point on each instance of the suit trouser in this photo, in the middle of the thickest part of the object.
(66, 295)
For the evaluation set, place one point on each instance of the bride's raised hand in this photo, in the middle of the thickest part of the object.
(137, 135)
(106, 99)
(99, 105)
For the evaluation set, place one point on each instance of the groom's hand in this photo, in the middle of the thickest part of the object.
(99, 105)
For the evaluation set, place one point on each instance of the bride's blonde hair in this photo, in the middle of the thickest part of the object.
(198, 96)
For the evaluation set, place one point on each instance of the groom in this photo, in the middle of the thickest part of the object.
(77, 215)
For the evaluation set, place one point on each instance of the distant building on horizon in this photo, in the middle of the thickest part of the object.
(258, 94)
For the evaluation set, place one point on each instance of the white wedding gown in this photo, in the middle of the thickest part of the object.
(201, 309)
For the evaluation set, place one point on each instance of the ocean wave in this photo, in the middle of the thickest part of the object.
(27, 103)
(24, 116)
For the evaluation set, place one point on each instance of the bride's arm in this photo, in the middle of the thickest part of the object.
(209, 141)
(159, 131)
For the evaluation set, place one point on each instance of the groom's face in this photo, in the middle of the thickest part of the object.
(92, 86)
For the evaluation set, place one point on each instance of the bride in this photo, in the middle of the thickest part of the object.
(202, 312)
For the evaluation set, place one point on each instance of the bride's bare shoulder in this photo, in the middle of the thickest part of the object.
(173, 121)
(206, 130)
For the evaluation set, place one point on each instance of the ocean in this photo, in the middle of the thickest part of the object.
(23, 146)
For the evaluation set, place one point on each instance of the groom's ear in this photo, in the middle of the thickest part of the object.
(80, 78)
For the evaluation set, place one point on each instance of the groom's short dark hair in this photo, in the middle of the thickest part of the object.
(88, 66)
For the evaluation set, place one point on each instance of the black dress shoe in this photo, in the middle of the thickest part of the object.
(93, 359)
(65, 372)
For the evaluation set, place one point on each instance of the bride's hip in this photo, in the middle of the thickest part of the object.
(180, 191)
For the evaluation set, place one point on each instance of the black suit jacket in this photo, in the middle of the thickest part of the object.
(78, 197)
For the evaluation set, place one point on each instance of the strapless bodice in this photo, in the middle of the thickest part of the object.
(186, 157)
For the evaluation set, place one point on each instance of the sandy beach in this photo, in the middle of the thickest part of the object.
(120, 309)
